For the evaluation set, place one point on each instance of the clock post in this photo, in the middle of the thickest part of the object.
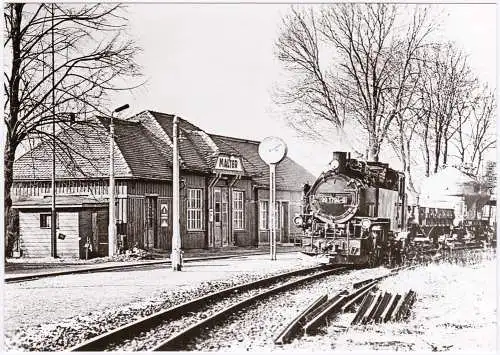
(272, 150)
(272, 212)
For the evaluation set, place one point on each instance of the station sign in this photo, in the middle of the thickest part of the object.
(231, 163)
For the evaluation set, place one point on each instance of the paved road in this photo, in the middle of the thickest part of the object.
(55, 298)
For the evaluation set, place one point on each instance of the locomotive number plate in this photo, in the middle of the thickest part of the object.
(332, 199)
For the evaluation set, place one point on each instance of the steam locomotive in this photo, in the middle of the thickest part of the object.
(354, 213)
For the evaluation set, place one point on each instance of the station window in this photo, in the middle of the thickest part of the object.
(263, 214)
(238, 210)
(194, 209)
(45, 219)
(217, 199)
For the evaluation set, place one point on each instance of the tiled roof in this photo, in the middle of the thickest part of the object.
(289, 174)
(191, 158)
(88, 155)
(205, 147)
(143, 149)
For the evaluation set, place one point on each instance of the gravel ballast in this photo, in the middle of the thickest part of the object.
(69, 331)
(255, 328)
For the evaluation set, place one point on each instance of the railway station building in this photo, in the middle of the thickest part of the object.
(224, 189)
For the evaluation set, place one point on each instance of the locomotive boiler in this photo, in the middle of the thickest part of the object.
(354, 213)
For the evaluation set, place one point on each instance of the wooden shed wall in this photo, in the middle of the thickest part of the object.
(35, 241)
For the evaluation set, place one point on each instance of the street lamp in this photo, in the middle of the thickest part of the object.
(53, 212)
(112, 223)
(176, 255)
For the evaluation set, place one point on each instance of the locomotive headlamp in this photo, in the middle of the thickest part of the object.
(334, 164)
(366, 223)
(297, 220)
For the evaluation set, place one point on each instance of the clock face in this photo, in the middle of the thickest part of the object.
(272, 150)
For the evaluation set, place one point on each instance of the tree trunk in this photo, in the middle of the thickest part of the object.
(409, 180)
(426, 148)
(373, 149)
(437, 153)
(11, 141)
(9, 228)
(445, 153)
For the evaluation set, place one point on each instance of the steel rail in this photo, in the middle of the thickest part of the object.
(179, 340)
(295, 325)
(130, 330)
(103, 268)
(315, 315)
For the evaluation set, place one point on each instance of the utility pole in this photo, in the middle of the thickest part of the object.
(175, 257)
(112, 222)
(53, 216)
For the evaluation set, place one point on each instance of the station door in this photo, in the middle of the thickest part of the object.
(221, 216)
(282, 230)
(151, 222)
(100, 232)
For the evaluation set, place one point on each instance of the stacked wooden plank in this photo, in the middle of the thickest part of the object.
(381, 307)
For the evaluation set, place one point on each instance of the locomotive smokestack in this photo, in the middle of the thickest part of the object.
(339, 160)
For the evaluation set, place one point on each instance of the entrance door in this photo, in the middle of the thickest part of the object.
(100, 226)
(221, 216)
(284, 223)
(217, 218)
(225, 217)
(151, 222)
(278, 223)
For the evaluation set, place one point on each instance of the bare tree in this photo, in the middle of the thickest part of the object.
(70, 55)
(371, 50)
(404, 133)
(446, 83)
(477, 133)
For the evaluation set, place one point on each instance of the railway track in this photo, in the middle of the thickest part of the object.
(171, 328)
(119, 267)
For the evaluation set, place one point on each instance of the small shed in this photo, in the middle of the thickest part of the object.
(80, 219)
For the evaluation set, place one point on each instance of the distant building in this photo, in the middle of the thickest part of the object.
(490, 177)
(490, 173)
(224, 189)
(457, 190)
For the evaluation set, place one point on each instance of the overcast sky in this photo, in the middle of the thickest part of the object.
(214, 65)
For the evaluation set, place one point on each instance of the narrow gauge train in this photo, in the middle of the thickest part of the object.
(354, 213)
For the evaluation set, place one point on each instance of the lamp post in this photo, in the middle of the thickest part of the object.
(175, 257)
(112, 223)
(53, 216)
